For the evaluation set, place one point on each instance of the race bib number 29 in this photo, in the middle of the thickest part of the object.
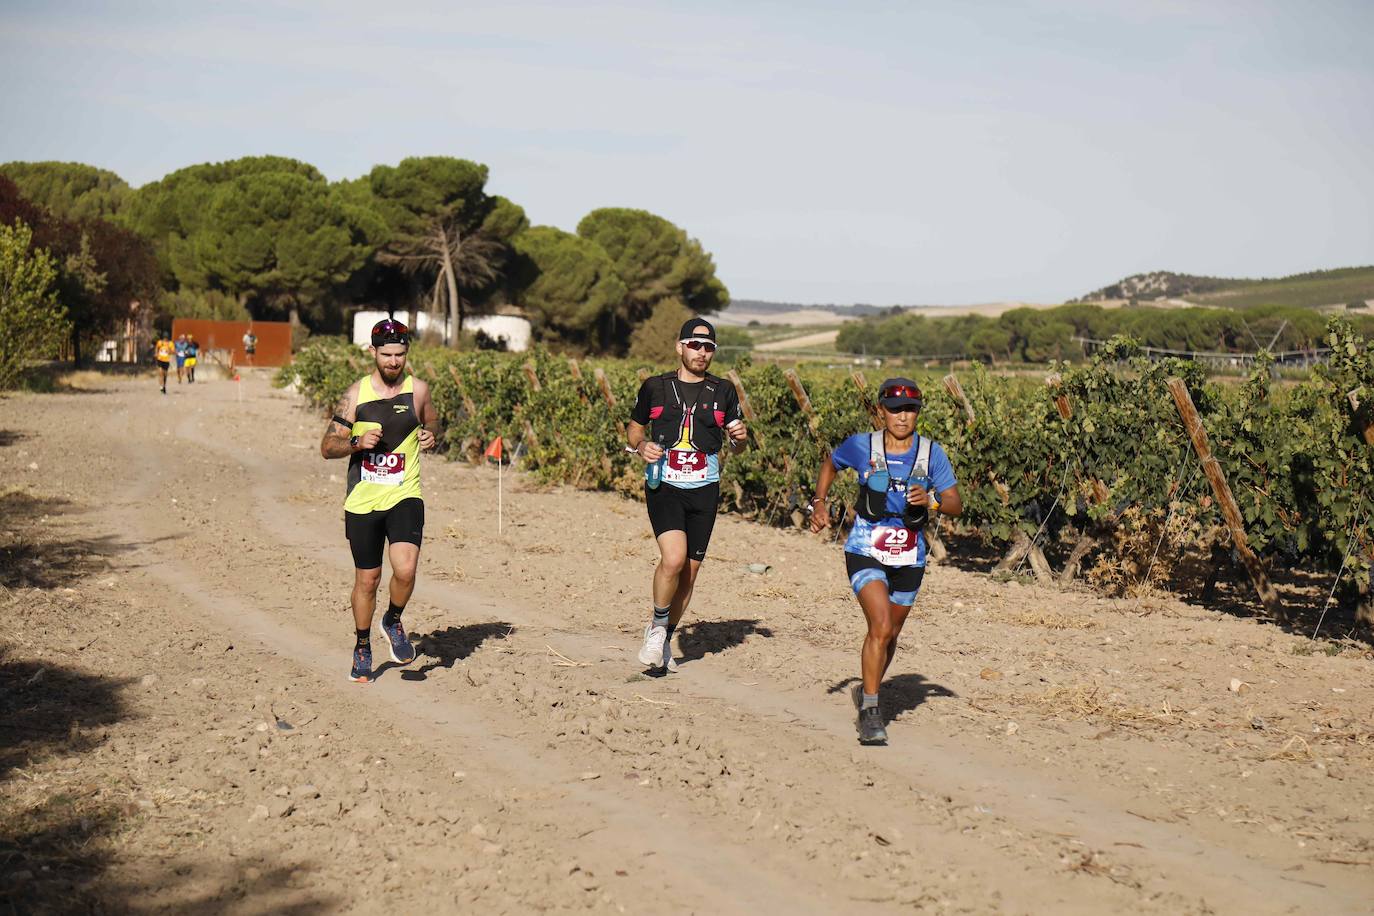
(894, 546)
(385, 468)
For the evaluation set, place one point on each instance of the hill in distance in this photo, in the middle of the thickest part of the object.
(1317, 289)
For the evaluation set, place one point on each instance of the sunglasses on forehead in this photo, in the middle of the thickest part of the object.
(901, 391)
(697, 344)
(389, 331)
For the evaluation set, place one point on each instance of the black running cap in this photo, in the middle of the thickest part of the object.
(693, 329)
(389, 331)
(899, 392)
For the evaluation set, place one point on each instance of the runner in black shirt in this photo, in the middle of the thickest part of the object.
(681, 420)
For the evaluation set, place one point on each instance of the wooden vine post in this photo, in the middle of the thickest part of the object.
(956, 391)
(1061, 400)
(606, 393)
(804, 402)
(474, 450)
(532, 376)
(1230, 512)
(462, 391)
(643, 374)
(576, 371)
(861, 383)
(1364, 419)
(745, 407)
(530, 436)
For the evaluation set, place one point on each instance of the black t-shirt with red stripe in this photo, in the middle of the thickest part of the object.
(665, 401)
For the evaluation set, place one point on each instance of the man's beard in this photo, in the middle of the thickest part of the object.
(390, 376)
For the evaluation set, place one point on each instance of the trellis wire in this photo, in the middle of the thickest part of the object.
(1063, 485)
(1349, 550)
(1164, 529)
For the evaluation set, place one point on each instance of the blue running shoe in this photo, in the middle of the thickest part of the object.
(362, 665)
(402, 652)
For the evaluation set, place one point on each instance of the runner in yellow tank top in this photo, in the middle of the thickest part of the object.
(382, 424)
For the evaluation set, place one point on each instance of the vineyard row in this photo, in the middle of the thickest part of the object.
(1095, 472)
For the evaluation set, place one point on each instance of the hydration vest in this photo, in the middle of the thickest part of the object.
(871, 504)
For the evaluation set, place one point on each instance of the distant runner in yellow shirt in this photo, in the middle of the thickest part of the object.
(382, 424)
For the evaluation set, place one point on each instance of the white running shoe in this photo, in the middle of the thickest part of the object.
(652, 652)
(669, 663)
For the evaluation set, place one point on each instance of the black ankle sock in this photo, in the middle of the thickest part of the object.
(670, 628)
(392, 615)
(364, 638)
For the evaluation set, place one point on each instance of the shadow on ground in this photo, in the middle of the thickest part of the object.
(898, 694)
(57, 857)
(708, 637)
(49, 849)
(453, 644)
(31, 558)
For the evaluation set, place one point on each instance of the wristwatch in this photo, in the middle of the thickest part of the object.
(353, 441)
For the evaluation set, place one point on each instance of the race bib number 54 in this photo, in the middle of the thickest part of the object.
(685, 466)
(385, 468)
(893, 546)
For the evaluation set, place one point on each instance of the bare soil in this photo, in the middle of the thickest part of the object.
(177, 733)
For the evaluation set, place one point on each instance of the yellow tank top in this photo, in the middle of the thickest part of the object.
(379, 479)
(165, 350)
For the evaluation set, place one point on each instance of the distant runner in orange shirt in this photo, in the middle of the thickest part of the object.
(164, 352)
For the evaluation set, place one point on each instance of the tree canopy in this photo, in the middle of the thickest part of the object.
(267, 230)
(70, 190)
(568, 284)
(444, 227)
(31, 317)
(1040, 335)
(270, 235)
(656, 260)
(101, 268)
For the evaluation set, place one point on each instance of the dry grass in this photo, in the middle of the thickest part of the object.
(1091, 701)
(1047, 620)
(85, 380)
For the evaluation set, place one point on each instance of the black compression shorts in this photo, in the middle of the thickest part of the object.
(903, 582)
(692, 511)
(403, 523)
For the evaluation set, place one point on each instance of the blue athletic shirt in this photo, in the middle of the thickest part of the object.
(853, 453)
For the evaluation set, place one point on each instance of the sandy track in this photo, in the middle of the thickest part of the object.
(1033, 765)
(820, 338)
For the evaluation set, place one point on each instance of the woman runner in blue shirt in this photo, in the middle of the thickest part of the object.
(903, 478)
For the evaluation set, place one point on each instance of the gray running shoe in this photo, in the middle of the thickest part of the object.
(871, 728)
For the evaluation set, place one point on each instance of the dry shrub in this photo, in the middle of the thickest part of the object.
(1146, 546)
(1047, 620)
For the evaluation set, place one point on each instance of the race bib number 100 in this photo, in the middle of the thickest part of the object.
(894, 546)
(385, 468)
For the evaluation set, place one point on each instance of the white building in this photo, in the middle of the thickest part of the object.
(512, 328)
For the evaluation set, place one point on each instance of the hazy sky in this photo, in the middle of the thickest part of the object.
(823, 152)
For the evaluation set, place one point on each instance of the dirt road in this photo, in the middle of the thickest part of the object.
(177, 731)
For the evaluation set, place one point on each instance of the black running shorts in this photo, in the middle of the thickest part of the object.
(403, 523)
(677, 509)
(903, 582)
